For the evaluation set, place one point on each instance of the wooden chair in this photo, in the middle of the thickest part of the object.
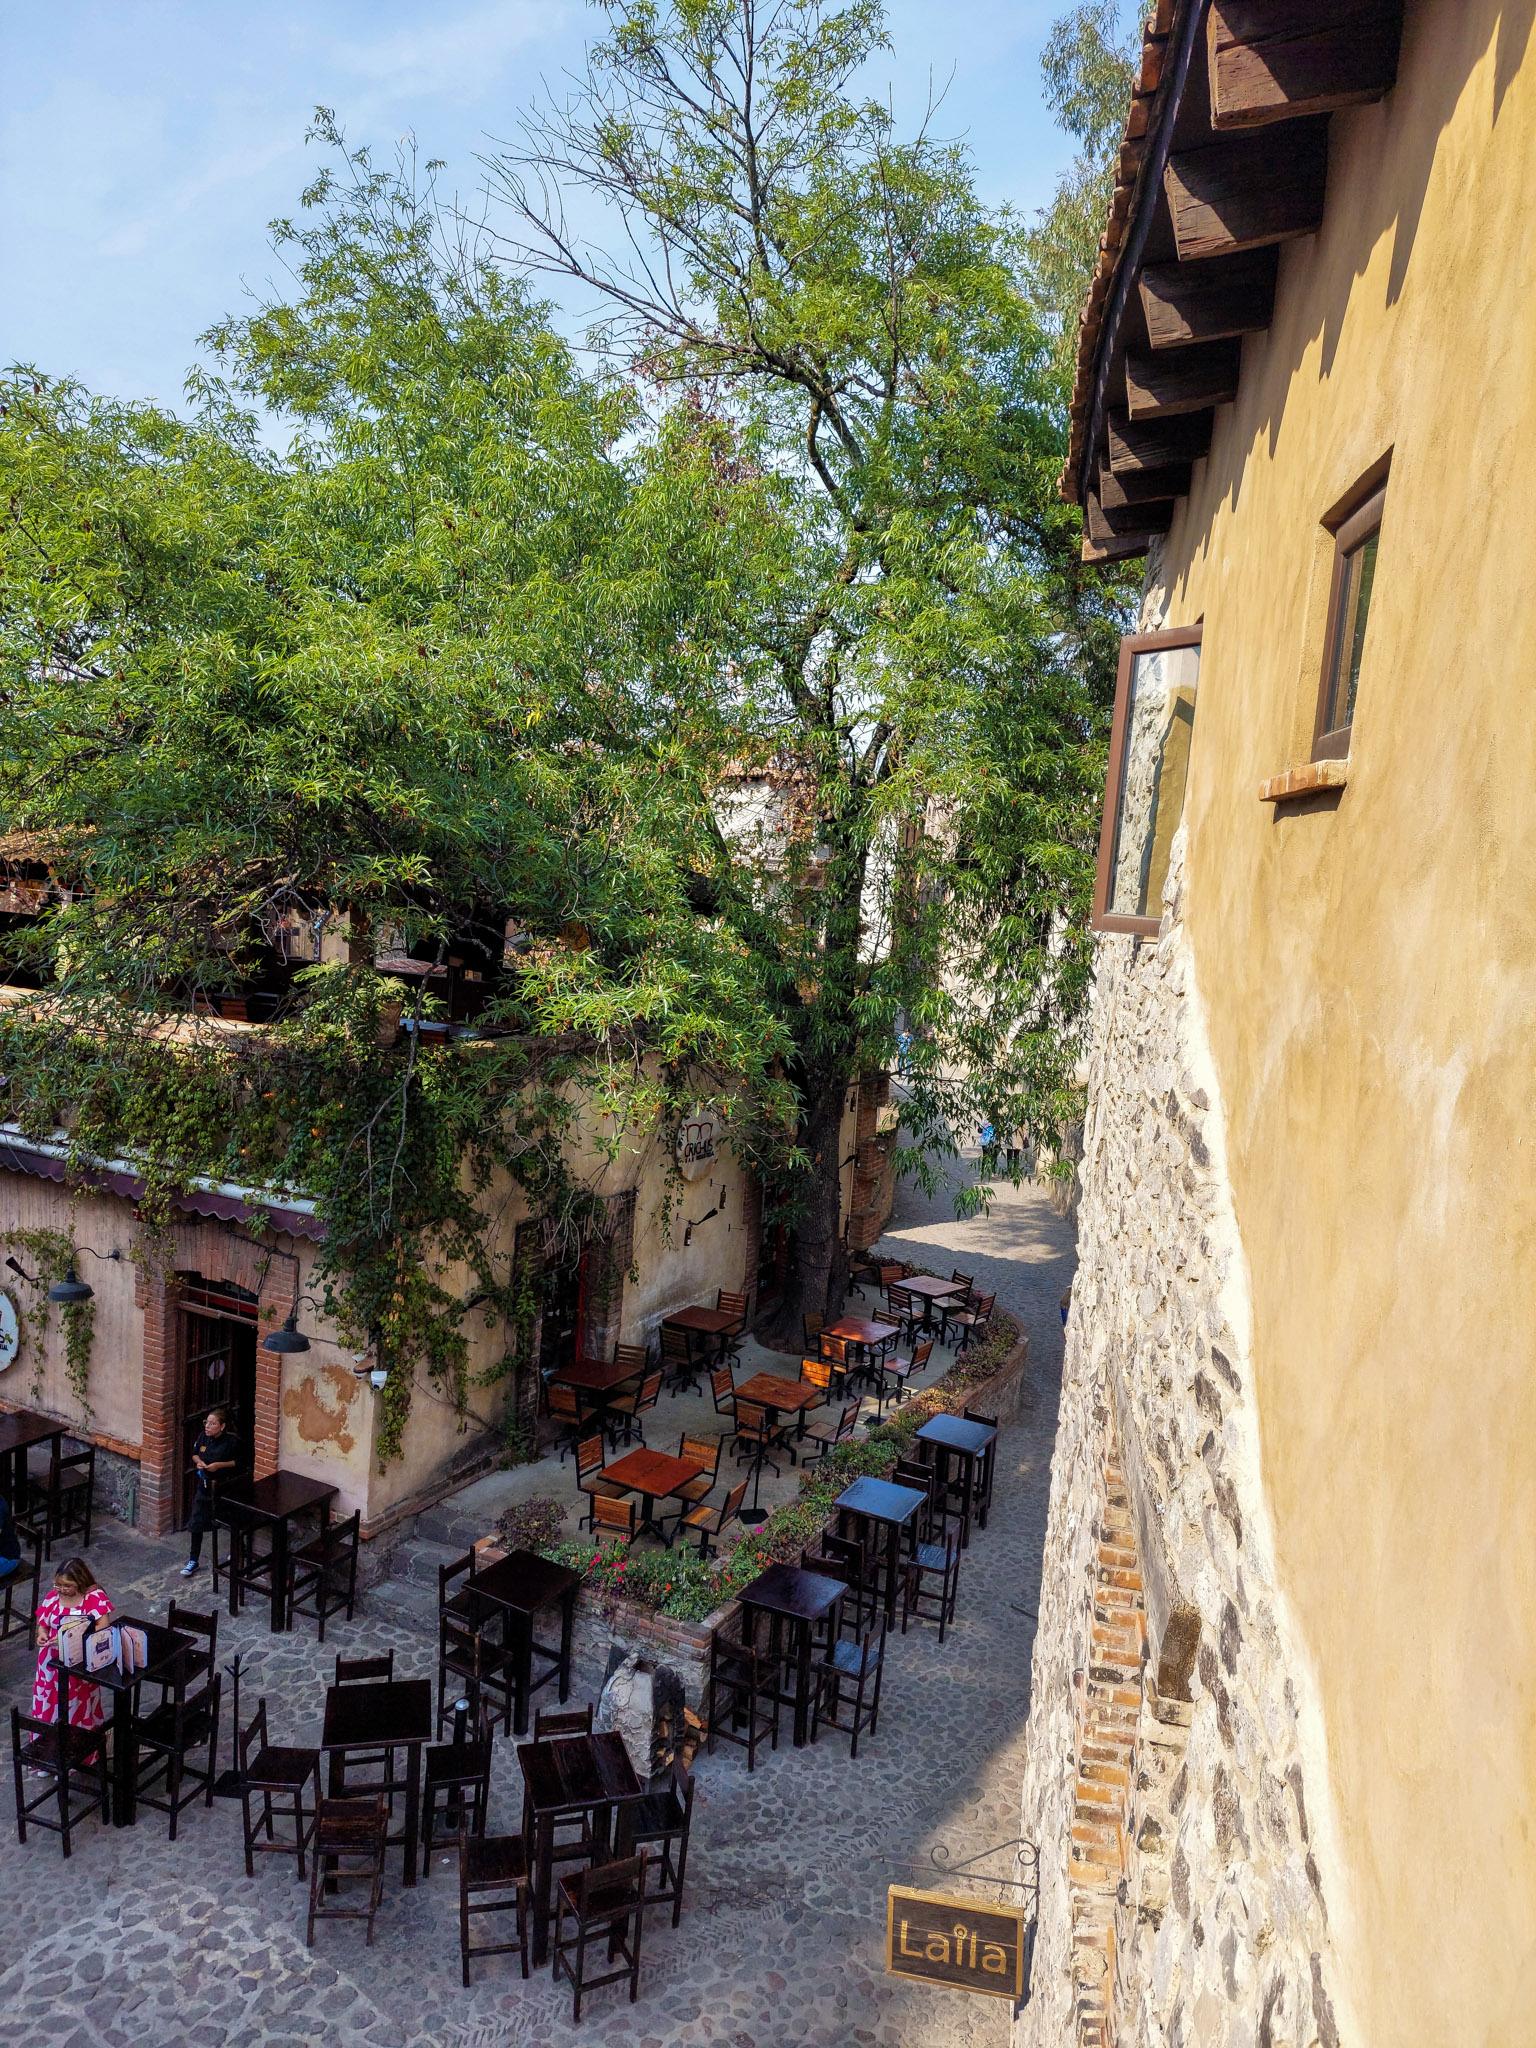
(823, 1437)
(973, 1320)
(850, 1677)
(905, 1310)
(169, 1739)
(272, 1773)
(350, 1844)
(66, 1759)
(864, 1577)
(920, 1477)
(456, 1586)
(196, 1664)
(895, 1373)
(711, 1521)
(480, 1669)
(956, 1302)
(680, 1361)
(660, 1822)
(590, 1456)
(723, 1387)
(632, 1355)
(834, 1351)
(68, 1498)
(490, 1868)
(567, 1415)
(811, 1327)
(456, 1775)
(625, 1410)
(364, 1671)
(615, 1519)
(322, 1576)
(821, 1373)
(743, 1696)
(755, 1436)
(936, 1560)
(732, 1304)
(704, 1450)
(556, 1722)
(607, 1902)
(21, 1590)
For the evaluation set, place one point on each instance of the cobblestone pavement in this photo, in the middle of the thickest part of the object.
(140, 1940)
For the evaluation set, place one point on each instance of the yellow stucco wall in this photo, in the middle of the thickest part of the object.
(1369, 965)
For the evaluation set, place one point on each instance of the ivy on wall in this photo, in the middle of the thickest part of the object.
(52, 1253)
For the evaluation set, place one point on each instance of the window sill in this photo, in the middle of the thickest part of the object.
(1310, 780)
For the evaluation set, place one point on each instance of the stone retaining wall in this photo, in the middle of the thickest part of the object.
(1175, 1778)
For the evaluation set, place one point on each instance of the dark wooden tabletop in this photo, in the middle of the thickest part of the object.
(577, 1770)
(787, 1589)
(860, 1330)
(652, 1473)
(396, 1710)
(767, 1390)
(931, 1285)
(712, 1321)
(524, 1581)
(23, 1427)
(956, 1434)
(596, 1375)
(881, 1500)
(278, 1497)
(165, 1646)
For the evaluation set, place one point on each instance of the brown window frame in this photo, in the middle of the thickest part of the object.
(1133, 644)
(1351, 522)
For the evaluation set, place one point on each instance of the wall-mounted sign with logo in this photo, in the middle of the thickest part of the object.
(696, 1145)
(957, 1942)
(10, 1332)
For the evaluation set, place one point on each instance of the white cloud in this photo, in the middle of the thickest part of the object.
(454, 58)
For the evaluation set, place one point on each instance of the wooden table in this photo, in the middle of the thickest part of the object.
(21, 1430)
(891, 1508)
(277, 1501)
(972, 1446)
(393, 1714)
(699, 1321)
(867, 1333)
(573, 1775)
(168, 1649)
(653, 1475)
(780, 1396)
(798, 1600)
(596, 1375)
(929, 1288)
(522, 1583)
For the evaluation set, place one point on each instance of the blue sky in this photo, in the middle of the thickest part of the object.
(144, 146)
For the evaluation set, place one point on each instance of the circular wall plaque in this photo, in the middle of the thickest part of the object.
(10, 1332)
(696, 1144)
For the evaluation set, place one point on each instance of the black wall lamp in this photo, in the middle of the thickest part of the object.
(288, 1337)
(71, 1291)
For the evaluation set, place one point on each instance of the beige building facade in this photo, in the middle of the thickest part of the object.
(1283, 1768)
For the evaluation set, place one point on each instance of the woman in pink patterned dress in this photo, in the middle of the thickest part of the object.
(75, 1591)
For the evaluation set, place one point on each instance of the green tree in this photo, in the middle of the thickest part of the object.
(926, 653)
(1087, 67)
(430, 667)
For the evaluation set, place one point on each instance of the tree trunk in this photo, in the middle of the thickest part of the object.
(818, 1280)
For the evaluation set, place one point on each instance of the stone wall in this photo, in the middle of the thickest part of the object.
(1175, 1780)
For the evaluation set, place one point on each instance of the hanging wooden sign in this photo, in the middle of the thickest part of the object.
(945, 1940)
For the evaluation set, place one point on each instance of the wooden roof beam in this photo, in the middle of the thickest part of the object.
(1189, 302)
(1138, 522)
(1136, 446)
(1248, 191)
(1121, 549)
(1121, 491)
(1182, 380)
(1272, 60)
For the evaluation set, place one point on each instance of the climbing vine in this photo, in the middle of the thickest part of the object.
(53, 1252)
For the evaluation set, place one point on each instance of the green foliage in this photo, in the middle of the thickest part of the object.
(53, 1253)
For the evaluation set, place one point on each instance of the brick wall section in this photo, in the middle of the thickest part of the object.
(874, 1168)
(157, 1451)
(1109, 1719)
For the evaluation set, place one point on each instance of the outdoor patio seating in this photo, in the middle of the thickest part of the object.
(680, 1358)
(270, 1772)
(895, 1373)
(626, 1411)
(938, 1560)
(590, 1456)
(454, 1597)
(723, 1388)
(354, 1766)
(821, 1437)
(615, 1520)
(322, 1575)
(171, 1738)
(493, 1878)
(972, 1321)
(350, 1847)
(63, 1497)
(200, 1627)
(566, 1412)
(479, 1668)
(22, 1589)
(660, 1823)
(607, 1903)
(456, 1786)
(849, 1683)
(711, 1521)
(743, 1697)
(67, 1760)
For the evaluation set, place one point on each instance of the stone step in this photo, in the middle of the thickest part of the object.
(410, 1602)
(418, 1559)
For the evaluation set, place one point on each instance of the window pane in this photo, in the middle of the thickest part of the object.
(1354, 608)
(1160, 720)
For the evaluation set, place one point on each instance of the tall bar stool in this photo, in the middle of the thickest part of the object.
(350, 1837)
